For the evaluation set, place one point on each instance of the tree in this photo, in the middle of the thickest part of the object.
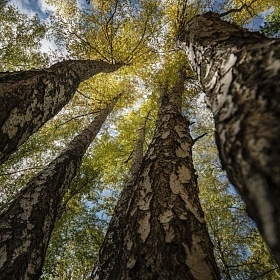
(239, 72)
(30, 98)
(158, 229)
(237, 242)
(28, 222)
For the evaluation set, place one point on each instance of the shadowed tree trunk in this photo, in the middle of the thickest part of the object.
(28, 99)
(26, 226)
(112, 245)
(240, 74)
(158, 230)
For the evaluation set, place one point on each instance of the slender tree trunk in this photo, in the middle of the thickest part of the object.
(26, 226)
(240, 74)
(159, 230)
(113, 242)
(28, 99)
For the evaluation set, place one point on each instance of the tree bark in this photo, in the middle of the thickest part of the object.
(28, 99)
(26, 226)
(240, 73)
(158, 231)
(115, 235)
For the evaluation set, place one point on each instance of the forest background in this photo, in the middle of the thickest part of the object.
(140, 34)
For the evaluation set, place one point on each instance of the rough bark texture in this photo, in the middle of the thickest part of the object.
(26, 226)
(112, 242)
(28, 99)
(240, 74)
(159, 231)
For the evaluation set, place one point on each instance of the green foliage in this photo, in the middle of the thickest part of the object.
(272, 24)
(248, 9)
(20, 40)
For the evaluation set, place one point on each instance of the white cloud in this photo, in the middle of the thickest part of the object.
(23, 6)
(47, 46)
(32, 7)
(45, 7)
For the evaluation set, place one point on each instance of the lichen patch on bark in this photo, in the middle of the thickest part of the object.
(195, 259)
(131, 263)
(178, 179)
(144, 225)
(129, 244)
(181, 131)
(178, 187)
(183, 150)
(143, 202)
(165, 219)
(165, 135)
(3, 255)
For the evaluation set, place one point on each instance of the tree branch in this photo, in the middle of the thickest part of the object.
(197, 138)
(236, 10)
(265, 273)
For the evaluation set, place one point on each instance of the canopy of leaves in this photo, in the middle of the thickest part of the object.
(114, 31)
(20, 40)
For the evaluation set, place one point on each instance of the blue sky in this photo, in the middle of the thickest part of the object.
(32, 7)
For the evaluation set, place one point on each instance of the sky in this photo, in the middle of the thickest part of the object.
(32, 7)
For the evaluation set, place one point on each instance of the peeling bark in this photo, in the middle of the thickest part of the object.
(112, 242)
(240, 73)
(26, 226)
(28, 99)
(159, 231)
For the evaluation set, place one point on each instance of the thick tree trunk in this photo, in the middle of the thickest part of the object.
(158, 231)
(240, 74)
(28, 99)
(26, 226)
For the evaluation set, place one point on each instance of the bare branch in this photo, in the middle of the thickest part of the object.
(85, 96)
(130, 56)
(109, 24)
(265, 273)
(76, 117)
(90, 45)
(21, 170)
(197, 138)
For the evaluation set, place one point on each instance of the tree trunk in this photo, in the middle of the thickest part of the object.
(158, 231)
(26, 226)
(115, 235)
(240, 74)
(28, 99)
